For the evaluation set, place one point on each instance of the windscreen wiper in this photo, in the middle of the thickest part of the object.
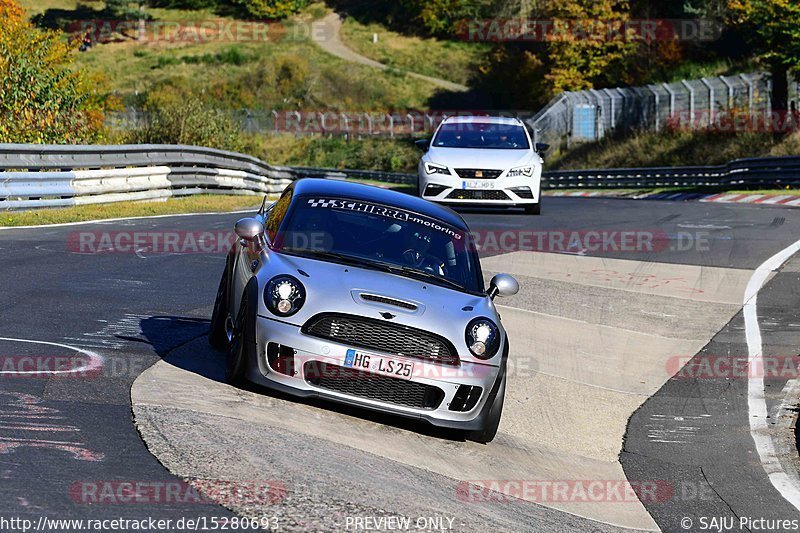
(423, 274)
(343, 258)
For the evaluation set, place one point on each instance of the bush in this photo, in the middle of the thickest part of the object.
(271, 9)
(391, 155)
(44, 100)
(176, 117)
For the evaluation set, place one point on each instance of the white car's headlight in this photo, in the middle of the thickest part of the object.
(433, 168)
(520, 171)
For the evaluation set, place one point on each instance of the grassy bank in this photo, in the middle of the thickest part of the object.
(674, 149)
(449, 60)
(192, 204)
(390, 155)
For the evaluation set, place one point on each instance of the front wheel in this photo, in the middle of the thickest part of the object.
(242, 347)
(487, 434)
(219, 337)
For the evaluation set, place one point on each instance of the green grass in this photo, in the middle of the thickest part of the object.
(390, 155)
(674, 149)
(244, 75)
(449, 60)
(287, 71)
(192, 204)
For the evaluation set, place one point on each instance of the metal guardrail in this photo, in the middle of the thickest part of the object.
(767, 172)
(34, 176)
(770, 172)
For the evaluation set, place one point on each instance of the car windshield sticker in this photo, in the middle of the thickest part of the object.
(381, 210)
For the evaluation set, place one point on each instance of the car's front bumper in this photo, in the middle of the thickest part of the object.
(520, 190)
(448, 378)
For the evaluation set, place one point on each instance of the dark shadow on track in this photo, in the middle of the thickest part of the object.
(169, 335)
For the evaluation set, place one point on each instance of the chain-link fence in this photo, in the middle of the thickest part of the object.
(723, 103)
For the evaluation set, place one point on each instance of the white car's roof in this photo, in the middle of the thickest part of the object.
(482, 120)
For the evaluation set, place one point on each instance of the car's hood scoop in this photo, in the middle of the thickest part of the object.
(390, 303)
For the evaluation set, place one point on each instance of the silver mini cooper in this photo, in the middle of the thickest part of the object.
(368, 297)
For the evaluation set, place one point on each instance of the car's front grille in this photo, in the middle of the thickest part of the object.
(372, 386)
(396, 339)
(477, 194)
(479, 173)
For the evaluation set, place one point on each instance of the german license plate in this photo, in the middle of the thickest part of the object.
(477, 184)
(387, 366)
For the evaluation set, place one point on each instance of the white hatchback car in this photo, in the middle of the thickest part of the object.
(479, 160)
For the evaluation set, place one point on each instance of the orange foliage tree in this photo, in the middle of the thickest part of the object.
(43, 97)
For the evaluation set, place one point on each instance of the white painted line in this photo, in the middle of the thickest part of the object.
(793, 202)
(95, 361)
(756, 403)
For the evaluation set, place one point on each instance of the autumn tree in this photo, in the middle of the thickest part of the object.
(588, 38)
(271, 9)
(43, 98)
(773, 29)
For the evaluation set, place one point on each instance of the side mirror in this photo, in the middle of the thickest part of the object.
(423, 144)
(249, 229)
(503, 285)
(542, 148)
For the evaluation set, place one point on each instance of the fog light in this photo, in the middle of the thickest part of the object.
(478, 348)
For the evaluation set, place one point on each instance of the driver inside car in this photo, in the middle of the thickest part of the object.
(417, 244)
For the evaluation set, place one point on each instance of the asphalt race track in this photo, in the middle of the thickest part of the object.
(599, 331)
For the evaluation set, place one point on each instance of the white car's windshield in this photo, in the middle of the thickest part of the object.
(481, 135)
(382, 237)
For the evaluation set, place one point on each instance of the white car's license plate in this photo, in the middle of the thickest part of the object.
(387, 366)
(477, 184)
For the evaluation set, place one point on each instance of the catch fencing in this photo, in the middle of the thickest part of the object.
(588, 116)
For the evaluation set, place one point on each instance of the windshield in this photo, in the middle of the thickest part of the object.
(481, 135)
(381, 237)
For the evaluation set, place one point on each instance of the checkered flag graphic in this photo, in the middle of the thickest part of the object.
(317, 202)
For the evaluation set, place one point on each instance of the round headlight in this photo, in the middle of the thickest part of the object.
(284, 295)
(483, 338)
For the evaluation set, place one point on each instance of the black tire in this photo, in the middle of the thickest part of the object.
(218, 336)
(242, 347)
(487, 434)
(533, 209)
